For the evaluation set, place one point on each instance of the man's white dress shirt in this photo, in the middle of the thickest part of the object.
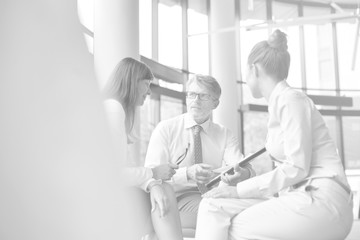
(173, 137)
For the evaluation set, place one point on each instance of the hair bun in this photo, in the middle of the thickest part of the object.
(278, 40)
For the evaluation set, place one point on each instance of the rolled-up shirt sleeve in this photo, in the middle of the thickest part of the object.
(158, 152)
(180, 176)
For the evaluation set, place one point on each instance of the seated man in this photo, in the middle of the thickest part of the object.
(197, 144)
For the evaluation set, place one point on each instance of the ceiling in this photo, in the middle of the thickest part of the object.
(356, 2)
(336, 1)
(200, 5)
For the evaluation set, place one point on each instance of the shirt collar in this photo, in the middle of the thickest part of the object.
(277, 90)
(190, 122)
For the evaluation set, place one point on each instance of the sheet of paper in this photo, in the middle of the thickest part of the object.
(222, 169)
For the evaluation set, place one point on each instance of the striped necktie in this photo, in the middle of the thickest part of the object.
(198, 153)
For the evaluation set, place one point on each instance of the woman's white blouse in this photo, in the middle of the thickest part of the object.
(135, 175)
(298, 142)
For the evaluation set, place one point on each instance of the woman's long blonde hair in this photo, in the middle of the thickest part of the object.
(122, 86)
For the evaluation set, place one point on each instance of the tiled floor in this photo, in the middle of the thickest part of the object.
(354, 234)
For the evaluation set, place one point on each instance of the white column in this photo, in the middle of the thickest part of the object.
(116, 34)
(223, 62)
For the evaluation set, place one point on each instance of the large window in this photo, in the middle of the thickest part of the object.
(145, 28)
(198, 38)
(321, 61)
(170, 37)
(349, 60)
(161, 22)
(170, 105)
(255, 131)
(250, 16)
(284, 11)
(351, 142)
(320, 68)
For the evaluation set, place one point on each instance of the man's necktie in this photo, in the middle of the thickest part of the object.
(198, 153)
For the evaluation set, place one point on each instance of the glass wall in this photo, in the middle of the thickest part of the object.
(285, 11)
(198, 39)
(170, 105)
(250, 16)
(322, 61)
(351, 127)
(145, 28)
(349, 60)
(320, 68)
(170, 33)
(320, 65)
(255, 130)
(168, 50)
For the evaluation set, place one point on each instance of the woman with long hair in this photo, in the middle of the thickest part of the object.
(125, 91)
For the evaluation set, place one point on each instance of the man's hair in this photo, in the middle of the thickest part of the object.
(208, 82)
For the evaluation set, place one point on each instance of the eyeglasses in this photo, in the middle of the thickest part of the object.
(201, 96)
(183, 156)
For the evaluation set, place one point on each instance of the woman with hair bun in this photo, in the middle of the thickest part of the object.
(313, 199)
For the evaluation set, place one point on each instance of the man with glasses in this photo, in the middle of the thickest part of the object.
(197, 144)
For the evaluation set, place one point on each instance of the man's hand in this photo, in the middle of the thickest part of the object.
(200, 173)
(164, 171)
(239, 175)
(222, 192)
(159, 200)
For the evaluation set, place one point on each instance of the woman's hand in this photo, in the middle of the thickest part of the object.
(159, 200)
(240, 174)
(222, 192)
(164, 171)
